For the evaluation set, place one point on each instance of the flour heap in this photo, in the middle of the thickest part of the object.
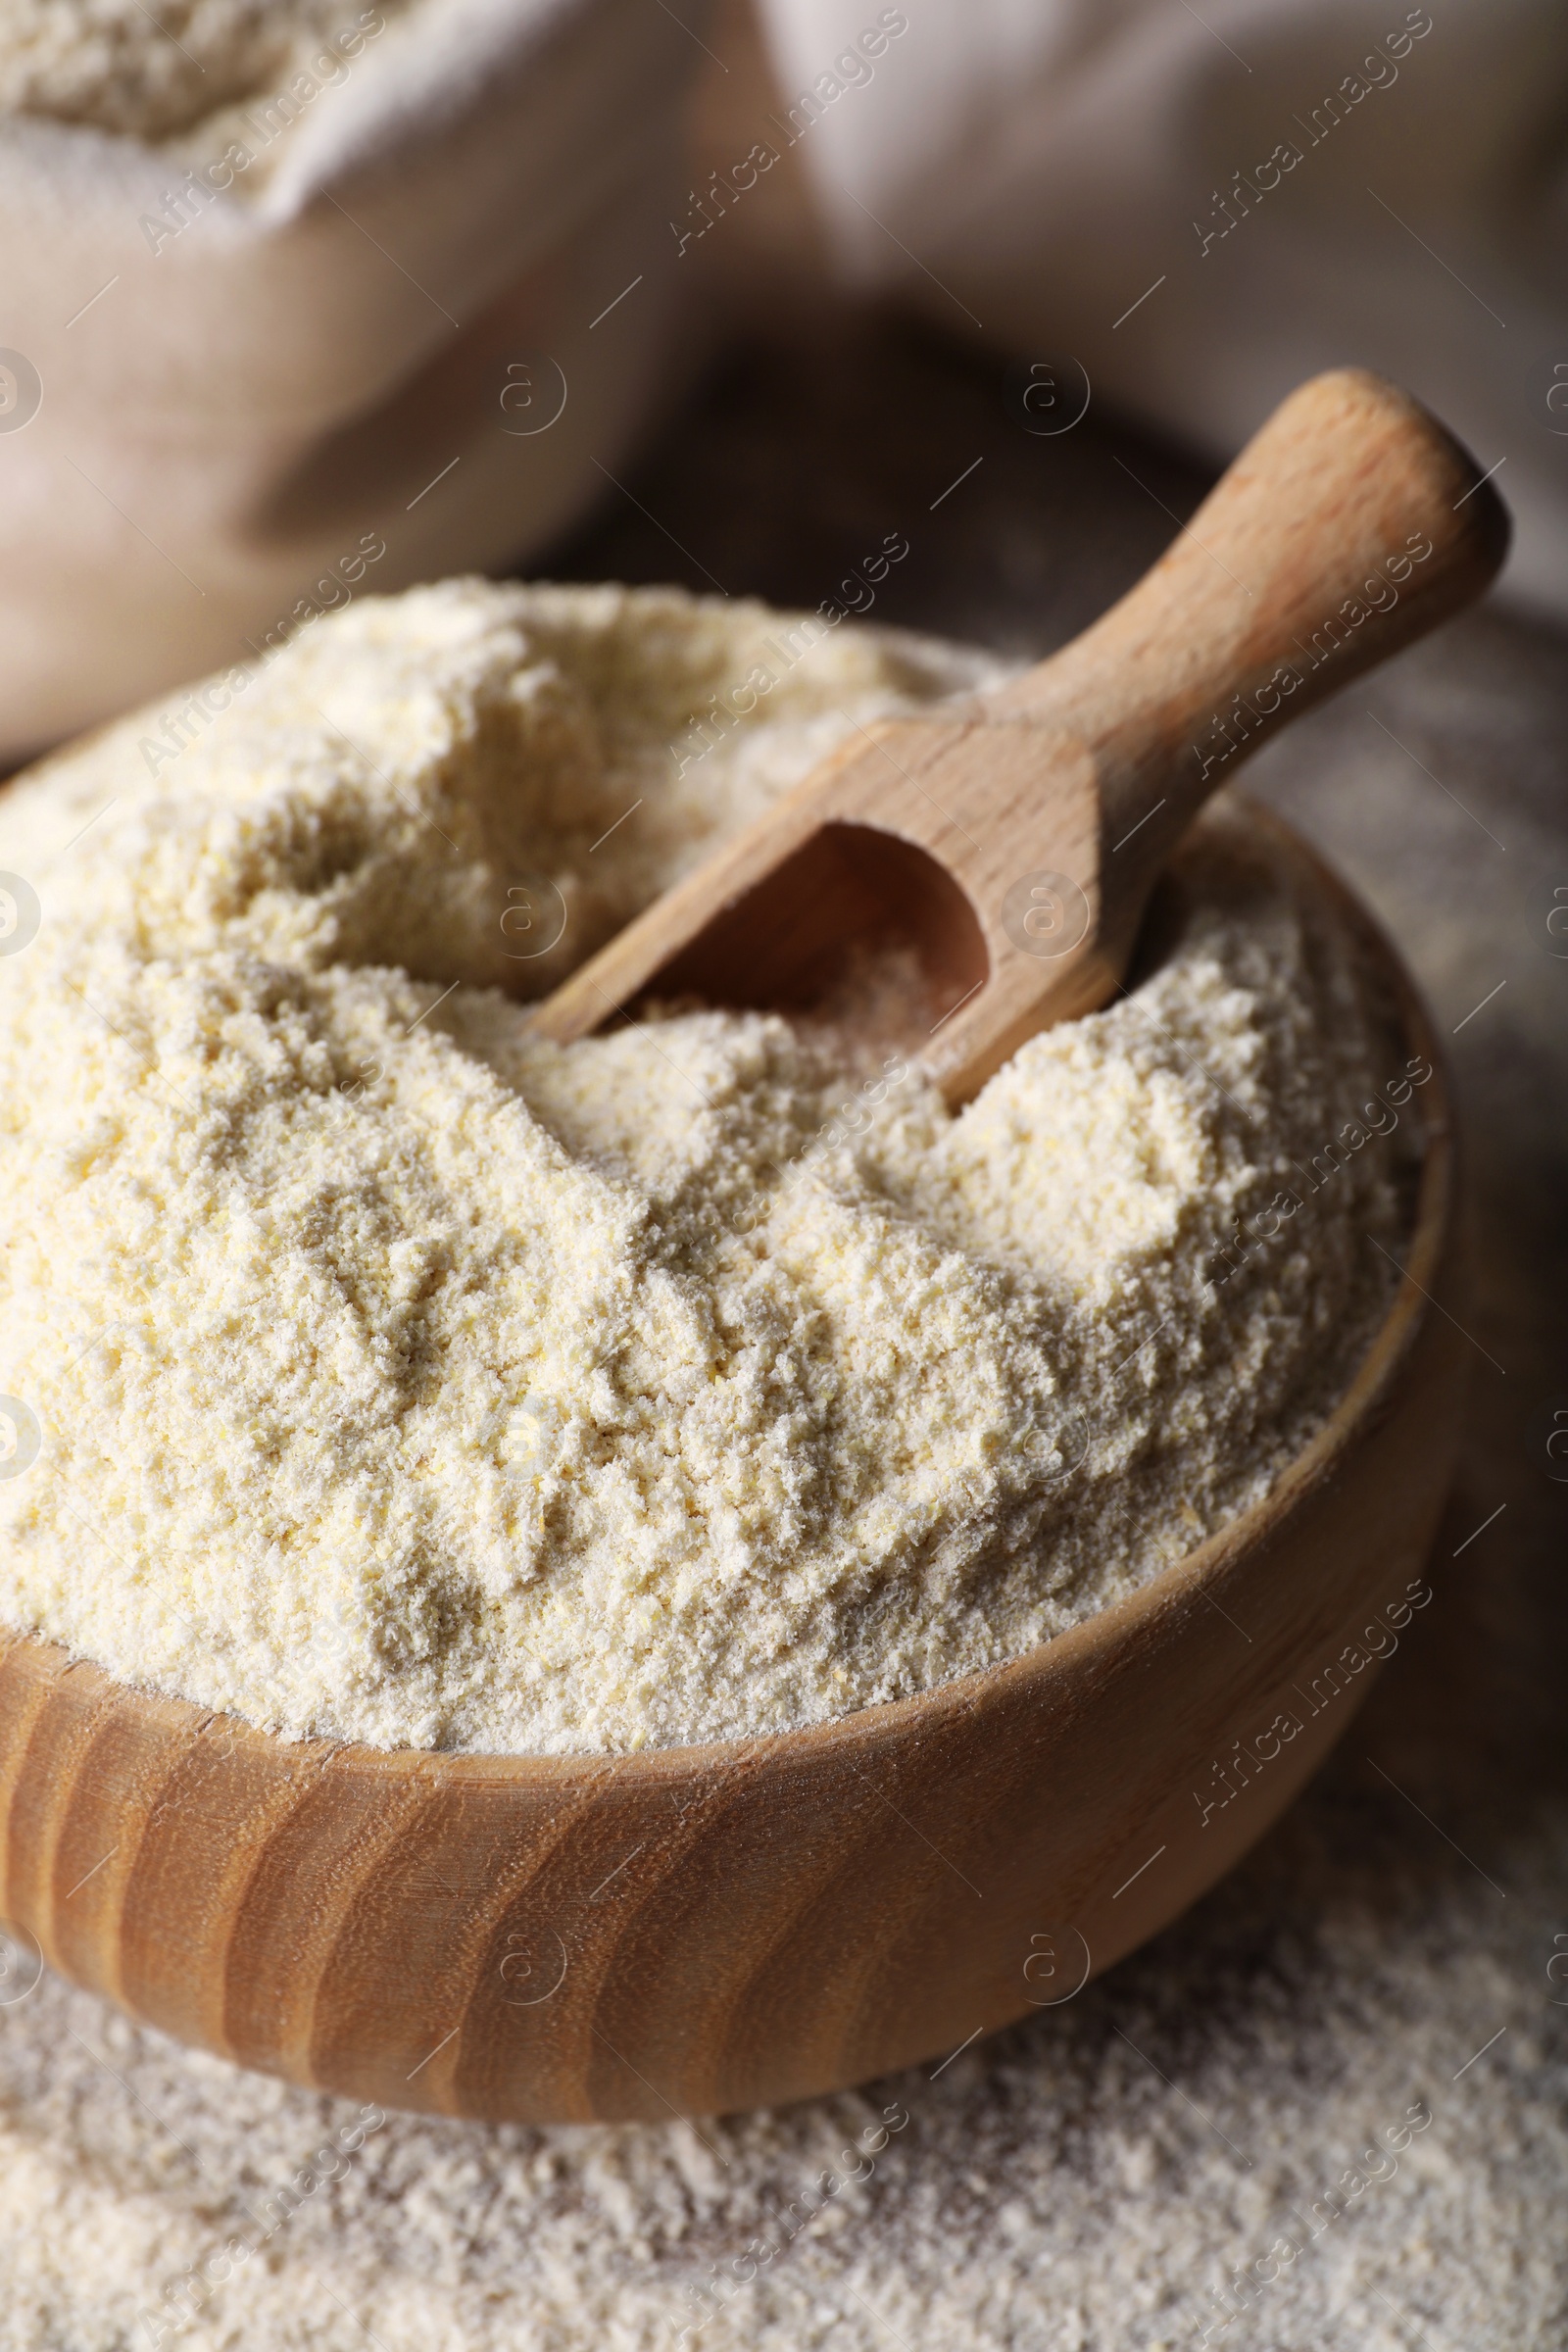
(402, 1377)
(152, 74)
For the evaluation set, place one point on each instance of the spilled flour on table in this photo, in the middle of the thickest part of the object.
(1088, 2182)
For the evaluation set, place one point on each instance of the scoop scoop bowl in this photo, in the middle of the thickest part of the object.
(690, 1929)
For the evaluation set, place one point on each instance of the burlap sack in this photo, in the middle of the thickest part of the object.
(391, 323)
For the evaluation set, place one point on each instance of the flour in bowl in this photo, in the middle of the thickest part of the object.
(400, 1376)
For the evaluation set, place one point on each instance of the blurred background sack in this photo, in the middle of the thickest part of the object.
(302, 301)
(1199, 206)
(306, 301)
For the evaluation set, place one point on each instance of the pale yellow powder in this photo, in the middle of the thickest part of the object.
(402, 1377)
(158, 69)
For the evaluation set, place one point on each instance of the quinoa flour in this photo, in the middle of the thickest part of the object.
(401, 1377)
(150, 73)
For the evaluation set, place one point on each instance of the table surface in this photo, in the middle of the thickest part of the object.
(1083, 2180)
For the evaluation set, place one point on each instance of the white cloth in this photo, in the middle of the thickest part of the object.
(207, 426)
(1063, 168)
(206, 437)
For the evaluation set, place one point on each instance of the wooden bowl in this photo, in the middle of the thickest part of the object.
(696, 1929)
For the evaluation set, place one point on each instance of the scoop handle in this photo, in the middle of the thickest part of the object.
(1350, 525)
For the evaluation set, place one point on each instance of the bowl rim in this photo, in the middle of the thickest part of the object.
(1104, 1629)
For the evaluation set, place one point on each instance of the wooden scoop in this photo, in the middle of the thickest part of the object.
(1011, 840)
